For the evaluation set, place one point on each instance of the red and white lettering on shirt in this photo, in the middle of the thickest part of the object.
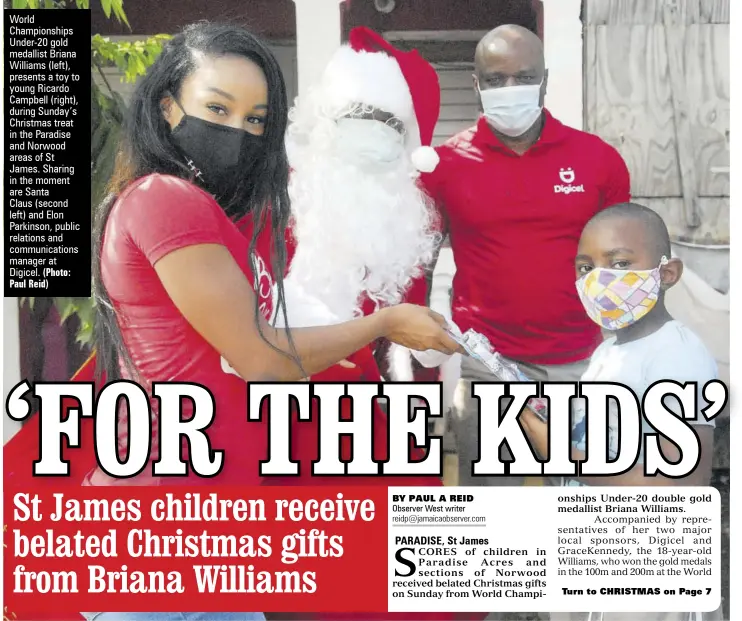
(153, 217)
(514, 223)
(157, 215)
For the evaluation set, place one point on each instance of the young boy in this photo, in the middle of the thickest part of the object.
(624, 267)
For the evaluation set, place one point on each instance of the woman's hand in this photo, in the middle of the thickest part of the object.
(418, 328)
(210, 290)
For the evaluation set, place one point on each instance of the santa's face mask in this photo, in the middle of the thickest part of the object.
(369, 142)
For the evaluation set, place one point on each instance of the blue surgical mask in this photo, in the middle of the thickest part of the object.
(512, 110)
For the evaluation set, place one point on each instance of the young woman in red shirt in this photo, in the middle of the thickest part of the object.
(190, 254)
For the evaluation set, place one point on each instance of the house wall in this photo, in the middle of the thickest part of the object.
(272, 19)
(432, 15)
(445, 32)
(657, 86)
(275, 19)
(563, 49)
(285, 53)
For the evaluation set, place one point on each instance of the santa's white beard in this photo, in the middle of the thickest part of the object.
(358, 230)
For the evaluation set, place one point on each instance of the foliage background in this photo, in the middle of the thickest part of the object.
(132, 58)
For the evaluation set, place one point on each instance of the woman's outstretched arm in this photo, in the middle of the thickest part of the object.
(211, 291)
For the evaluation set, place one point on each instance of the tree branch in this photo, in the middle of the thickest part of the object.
(103, 75)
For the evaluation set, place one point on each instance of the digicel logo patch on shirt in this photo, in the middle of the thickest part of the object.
(567, 176)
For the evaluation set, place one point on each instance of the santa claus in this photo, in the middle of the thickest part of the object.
(364, 229)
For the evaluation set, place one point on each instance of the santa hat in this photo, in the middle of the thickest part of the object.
(369, 70)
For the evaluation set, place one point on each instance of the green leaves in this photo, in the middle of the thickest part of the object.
(65, 307)
(42, 4)
(84, 308)
(132, 58)
(85, 311)
(110, 7)
(106, 119)
(117, 6)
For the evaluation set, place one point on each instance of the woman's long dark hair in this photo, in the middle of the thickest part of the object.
(146, 148)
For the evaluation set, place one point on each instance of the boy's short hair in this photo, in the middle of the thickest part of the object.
(658, 234)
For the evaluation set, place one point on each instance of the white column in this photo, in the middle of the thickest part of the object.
(445, 269)
(563, 50)
(318, 35)
(11, 352)
(440, 301)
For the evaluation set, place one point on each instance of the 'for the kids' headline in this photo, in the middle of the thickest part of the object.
(668, 407)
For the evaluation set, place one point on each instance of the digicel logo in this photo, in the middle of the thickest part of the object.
(568, 189)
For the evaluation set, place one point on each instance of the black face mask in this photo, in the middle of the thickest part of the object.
(221, 155)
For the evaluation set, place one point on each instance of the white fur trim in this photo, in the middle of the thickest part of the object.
(371, 78)
(400, 364)
(430, 358)
(425, 159)
(303, 310)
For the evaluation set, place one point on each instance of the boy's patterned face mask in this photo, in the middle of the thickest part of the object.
(615, 299)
